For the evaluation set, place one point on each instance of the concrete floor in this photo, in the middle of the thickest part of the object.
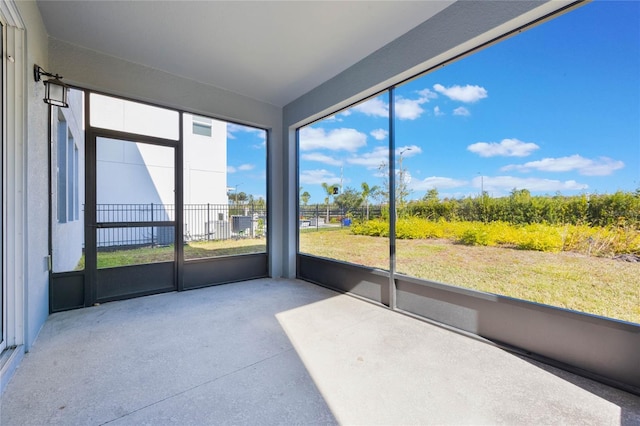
(285, 352)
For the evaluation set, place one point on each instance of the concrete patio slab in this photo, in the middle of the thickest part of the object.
(285, 352)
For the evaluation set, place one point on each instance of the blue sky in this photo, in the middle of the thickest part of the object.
(247, 160)
(554, 109)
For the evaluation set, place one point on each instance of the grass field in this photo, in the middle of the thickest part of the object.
(600, 286)
(596, 285)
(193, 250)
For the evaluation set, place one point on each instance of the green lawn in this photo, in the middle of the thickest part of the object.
(596, 285)
(193, 250)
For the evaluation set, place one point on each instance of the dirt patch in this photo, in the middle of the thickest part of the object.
(634, 258)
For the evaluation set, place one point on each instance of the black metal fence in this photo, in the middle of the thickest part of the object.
(319, 215)
(202, 222)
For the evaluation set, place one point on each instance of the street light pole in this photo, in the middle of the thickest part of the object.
(484, 209)
(236, 191)
(401, 175)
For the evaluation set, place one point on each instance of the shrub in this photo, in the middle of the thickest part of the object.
(581, 238)
(475, 237)
(416, 228)
(372, 228)
(539, 237)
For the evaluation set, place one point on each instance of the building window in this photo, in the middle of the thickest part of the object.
(201, 126)
(76, 181)
(67, 174)
(62, 169)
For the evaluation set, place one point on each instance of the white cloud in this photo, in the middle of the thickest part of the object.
(321, 158)
(318, 176)
(233, 128)
(437, 112)
(338, 139)
(240, 168)
(371, 160)
(408, 150)
(332, 118)
(405, 109)
(467, 94)
(437, 182)
(601, 166)
(427, 94)
(505, 148)
(409, 109)
(380, 155)
(379, 134)
(375, 107)
(236, 128)
(461, 111)
(502, 184)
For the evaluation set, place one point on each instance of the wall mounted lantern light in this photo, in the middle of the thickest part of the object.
(55, 90)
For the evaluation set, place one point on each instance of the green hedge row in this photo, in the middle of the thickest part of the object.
(522, 208)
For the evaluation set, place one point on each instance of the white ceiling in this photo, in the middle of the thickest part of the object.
(272, 51)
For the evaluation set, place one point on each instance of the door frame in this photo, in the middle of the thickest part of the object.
(154, 272)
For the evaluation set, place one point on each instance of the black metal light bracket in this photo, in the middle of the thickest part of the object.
(55, 89)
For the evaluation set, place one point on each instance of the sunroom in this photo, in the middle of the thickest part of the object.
(468, 166)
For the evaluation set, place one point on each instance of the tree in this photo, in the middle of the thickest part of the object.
(368, 191)
(402, 186)
(402, 189)
(260, 203)
(431, 196)
(237, 197)
(350, 199)
(330, 190)
(305, 197)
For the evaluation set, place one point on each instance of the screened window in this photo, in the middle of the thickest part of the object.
(343, 183)
(201, 126)
(516, 169)
(224, 185)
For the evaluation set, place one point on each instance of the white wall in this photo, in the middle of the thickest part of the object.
(68, 236)
(205, 164)
(131, 173)
(26, 199)
(205, 157)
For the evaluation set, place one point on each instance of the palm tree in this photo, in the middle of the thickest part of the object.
(329, 190)
(367, 191)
